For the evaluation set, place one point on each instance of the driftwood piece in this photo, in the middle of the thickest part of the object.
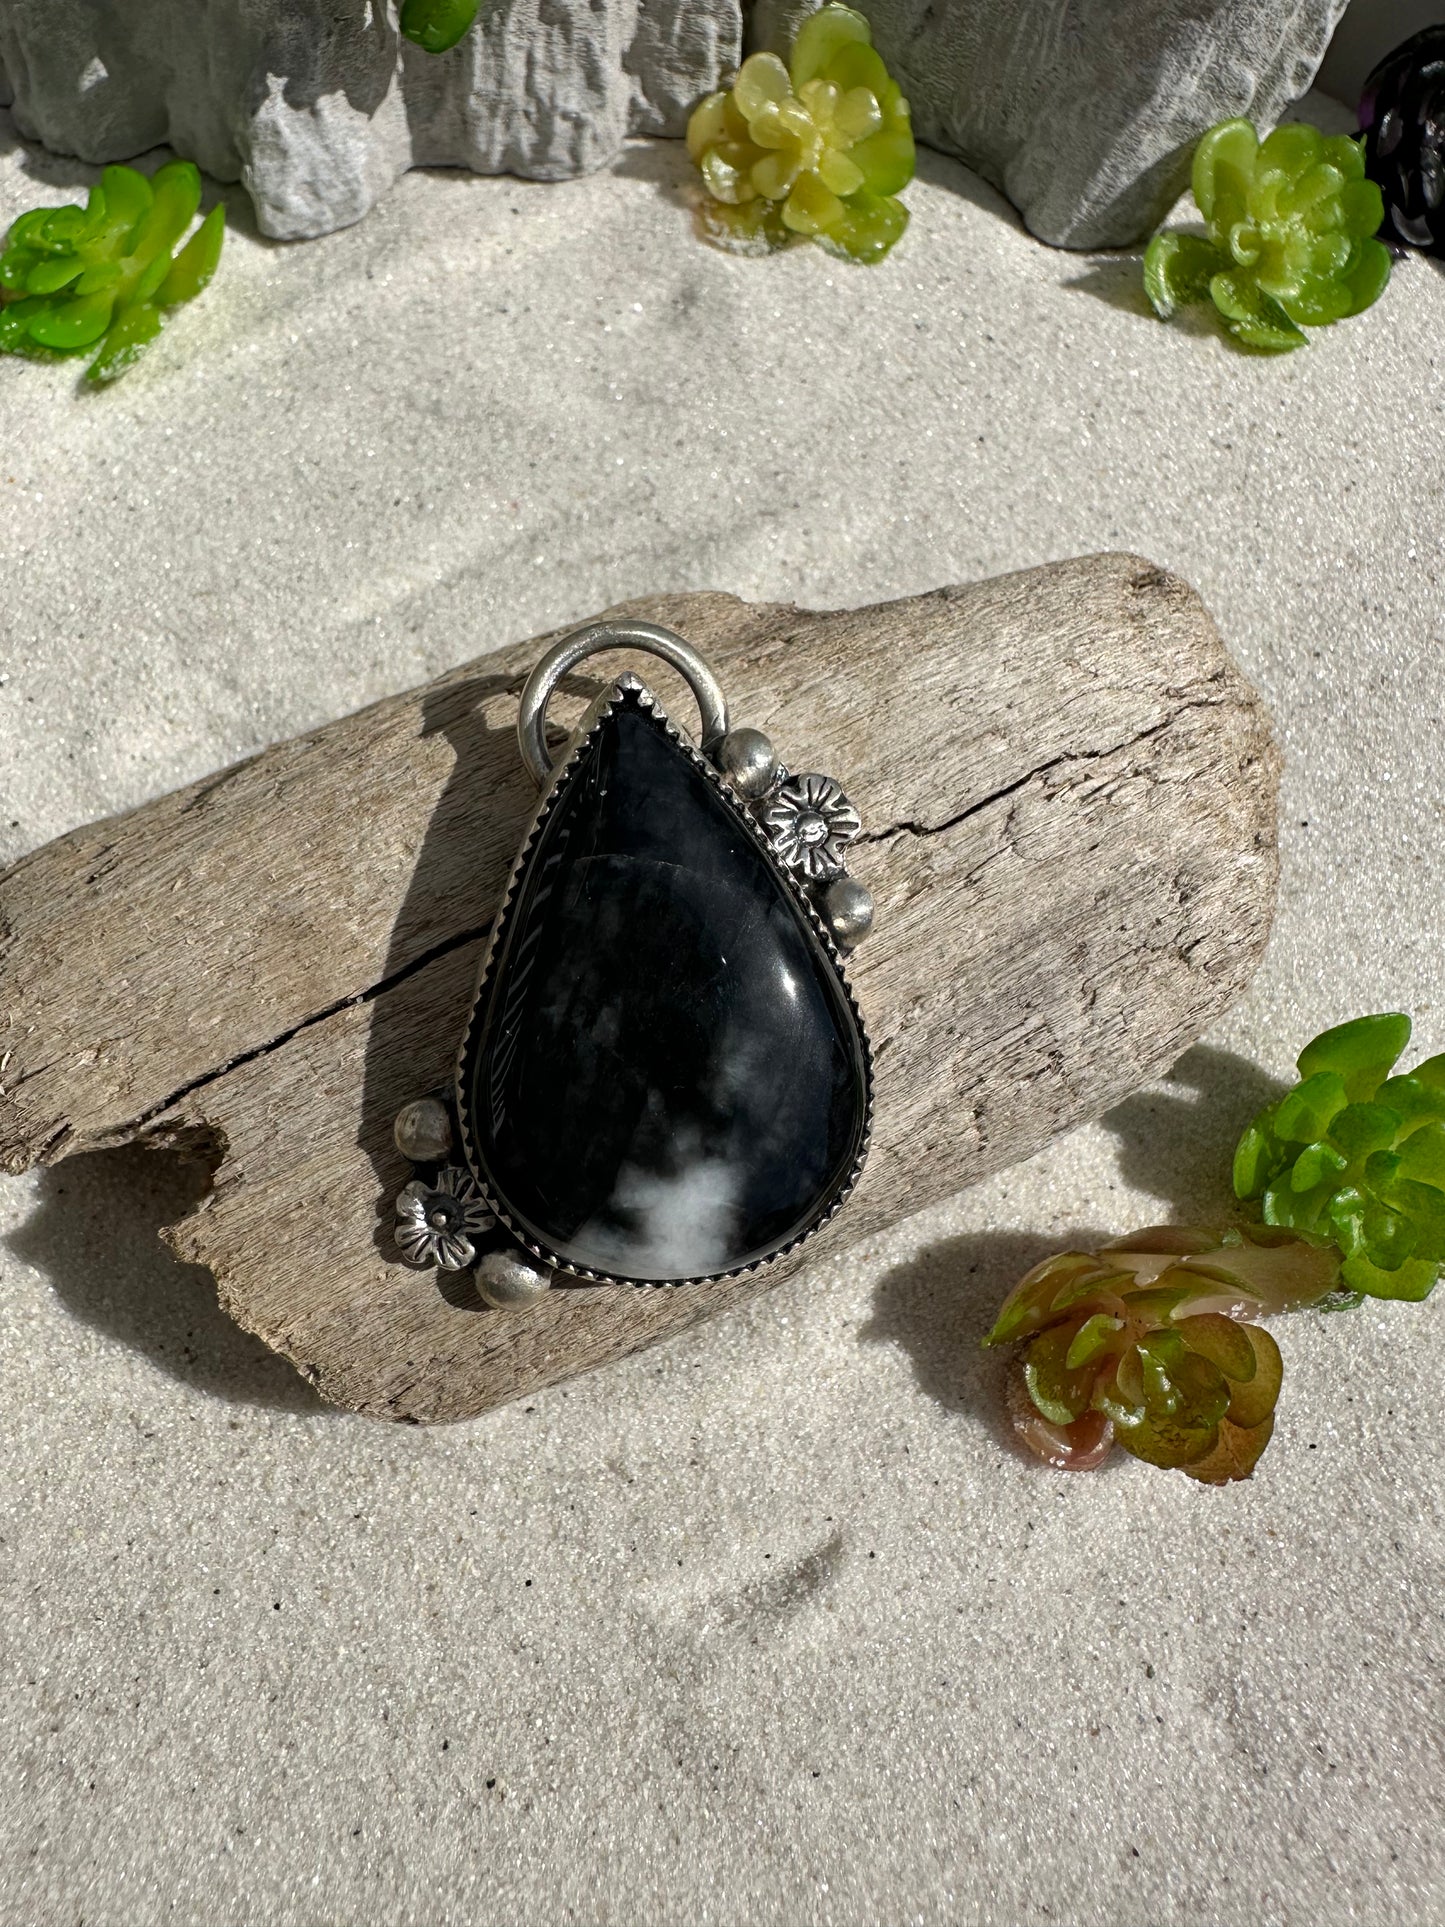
(1069, 794)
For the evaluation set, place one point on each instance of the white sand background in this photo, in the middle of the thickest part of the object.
(769, 1624)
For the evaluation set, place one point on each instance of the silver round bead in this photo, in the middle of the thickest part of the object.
(848, 912)
(746, 759)
(423, 1131)
(509, 1277)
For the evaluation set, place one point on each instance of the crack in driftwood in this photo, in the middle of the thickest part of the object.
(373, 991)
(135, 1126)
(908, 826)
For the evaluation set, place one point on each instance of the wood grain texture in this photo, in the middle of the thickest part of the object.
(1068, 793)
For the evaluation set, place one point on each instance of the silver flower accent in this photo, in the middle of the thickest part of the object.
(436, 1222)
(809, 822)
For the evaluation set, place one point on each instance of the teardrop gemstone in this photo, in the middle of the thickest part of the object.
(664, 1077)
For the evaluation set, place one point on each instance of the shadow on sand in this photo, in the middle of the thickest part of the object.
(95, 1233)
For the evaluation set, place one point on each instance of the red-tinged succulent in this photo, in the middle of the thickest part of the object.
(1149, 1344)
(1152, 1344)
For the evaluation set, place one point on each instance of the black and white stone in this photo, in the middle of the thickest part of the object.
(665, 1077)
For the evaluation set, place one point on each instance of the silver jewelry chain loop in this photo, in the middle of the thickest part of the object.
(565, 655)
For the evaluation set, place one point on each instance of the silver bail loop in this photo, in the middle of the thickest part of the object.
(565, 655)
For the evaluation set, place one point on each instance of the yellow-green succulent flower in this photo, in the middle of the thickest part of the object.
(816, 149)
(1291, 235)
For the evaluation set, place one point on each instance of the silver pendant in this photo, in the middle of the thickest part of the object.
(664, 1078)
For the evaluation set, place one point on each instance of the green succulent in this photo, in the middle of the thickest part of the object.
(105, 275)
(817, 149)
(437, 24)
(1291, 235)
(1356, 1155)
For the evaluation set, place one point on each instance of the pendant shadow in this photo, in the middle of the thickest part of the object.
(96, 1235)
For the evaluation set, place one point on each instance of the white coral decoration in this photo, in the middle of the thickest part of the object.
(809, 822)
(436, 1222)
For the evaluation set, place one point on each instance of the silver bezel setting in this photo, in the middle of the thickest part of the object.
(630, 687)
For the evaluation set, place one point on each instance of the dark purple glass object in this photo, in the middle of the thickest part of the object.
(1402, 116)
